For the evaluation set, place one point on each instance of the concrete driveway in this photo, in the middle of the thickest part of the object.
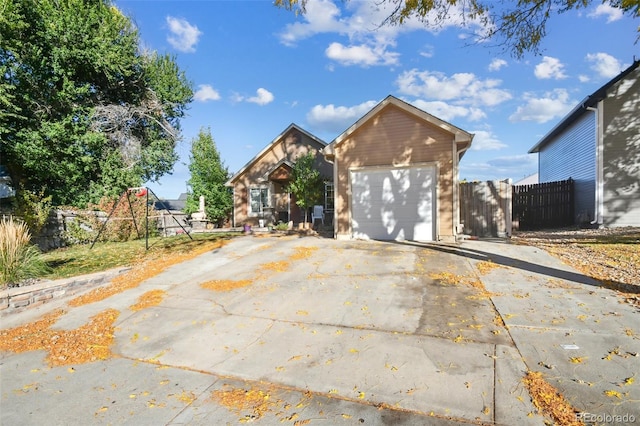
(316, 331)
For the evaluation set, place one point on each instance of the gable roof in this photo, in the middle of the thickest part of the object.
(267, 148)
(579, 109)
(461, 136)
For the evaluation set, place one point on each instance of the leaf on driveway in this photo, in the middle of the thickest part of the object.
(613, 394)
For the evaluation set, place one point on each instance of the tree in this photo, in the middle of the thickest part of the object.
(83, 112)
(208, 178)
(307, 185)
(519, 26)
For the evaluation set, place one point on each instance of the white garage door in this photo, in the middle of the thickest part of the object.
(394, 204)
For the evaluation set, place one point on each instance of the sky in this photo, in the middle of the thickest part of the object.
(256, 68)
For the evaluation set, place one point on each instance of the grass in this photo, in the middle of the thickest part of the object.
(81, 259)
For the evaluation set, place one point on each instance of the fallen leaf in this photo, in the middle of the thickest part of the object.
(613, 393)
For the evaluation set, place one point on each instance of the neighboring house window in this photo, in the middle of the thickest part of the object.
(328, 196)
(259, 199)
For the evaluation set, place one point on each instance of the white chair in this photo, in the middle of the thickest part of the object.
(318, 213)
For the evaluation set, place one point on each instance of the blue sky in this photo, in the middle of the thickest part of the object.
(256, 69)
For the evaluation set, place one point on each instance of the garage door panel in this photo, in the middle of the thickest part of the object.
(393, 204)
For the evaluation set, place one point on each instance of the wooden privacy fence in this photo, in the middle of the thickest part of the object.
(485, 208)
(543, 205)
(494, 208)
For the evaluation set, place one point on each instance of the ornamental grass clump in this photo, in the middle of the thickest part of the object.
(19, 260)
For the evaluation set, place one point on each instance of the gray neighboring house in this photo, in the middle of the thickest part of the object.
(177, 205)
(598, 145)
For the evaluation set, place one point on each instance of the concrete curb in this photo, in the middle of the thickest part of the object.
(17, 299)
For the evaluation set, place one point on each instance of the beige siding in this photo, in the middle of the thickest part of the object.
(394, 138)
(621, 153)
(290, 147)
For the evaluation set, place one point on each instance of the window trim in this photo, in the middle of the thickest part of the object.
(329, 206)
(265, 192)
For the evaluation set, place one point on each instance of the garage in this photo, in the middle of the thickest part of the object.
(395, 174)
(394, 203)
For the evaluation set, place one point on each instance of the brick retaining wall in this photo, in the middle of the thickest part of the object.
(17, 299)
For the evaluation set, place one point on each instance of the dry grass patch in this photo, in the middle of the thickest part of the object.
(550, 401)
(90, 342)
(610, 255)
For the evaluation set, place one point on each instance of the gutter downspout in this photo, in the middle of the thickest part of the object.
(456, 188)
(599, 190)
(334, 162)
(334, 171)
(233, 216)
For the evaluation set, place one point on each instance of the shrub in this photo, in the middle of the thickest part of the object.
(282, 226)
(33, 208)
(19, 259)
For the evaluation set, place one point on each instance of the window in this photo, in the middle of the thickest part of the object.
(328, 196)
(259, 199)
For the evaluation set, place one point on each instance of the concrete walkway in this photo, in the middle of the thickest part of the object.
(355, 333)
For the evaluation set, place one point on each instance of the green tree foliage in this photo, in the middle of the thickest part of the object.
(306, 183)
(83, 113)
(208, 178)
(519, 26)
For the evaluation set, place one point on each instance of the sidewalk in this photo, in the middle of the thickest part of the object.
(580, 336)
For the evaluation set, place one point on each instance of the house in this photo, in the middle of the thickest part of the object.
(395, 174)
(260, 187)
(176, 205)
(598, 145)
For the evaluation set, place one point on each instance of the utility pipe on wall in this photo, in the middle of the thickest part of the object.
(598, 199)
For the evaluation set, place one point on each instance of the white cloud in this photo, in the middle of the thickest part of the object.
(427, 51)
(496, 64)
(583, 78)
(448, 112)
(513, 166)
(206, 93)
(552, 105)
(461, 88)
(485, 141)
(263, 97)
(550, 68)
(604, 64)
(612, 13)
(184, 36)
(361, 55)
(361, 24)
(321, 16)
(333, 118)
